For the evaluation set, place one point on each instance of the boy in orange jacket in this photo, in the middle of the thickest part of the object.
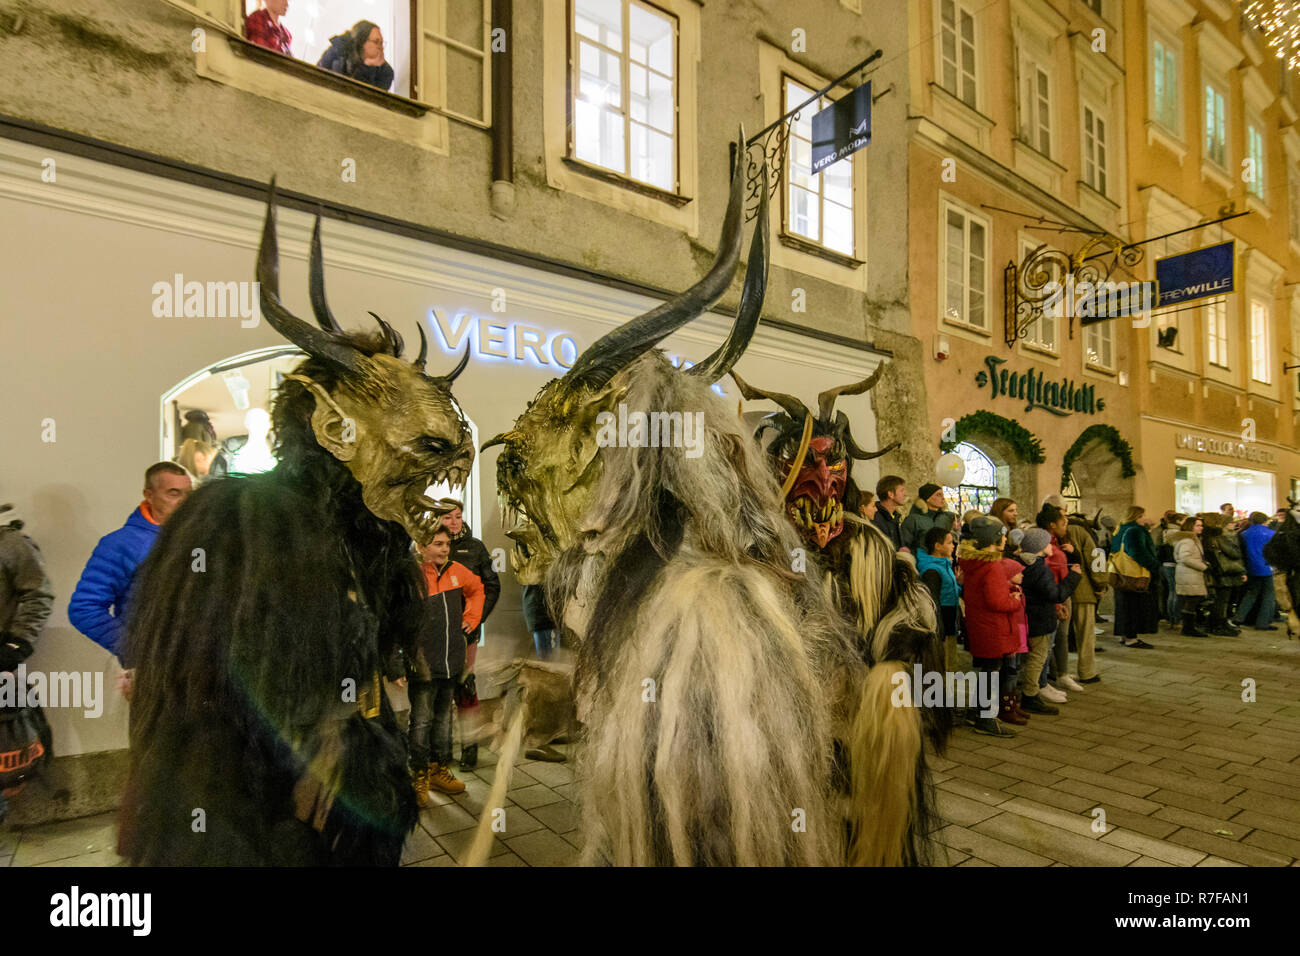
(451, 615)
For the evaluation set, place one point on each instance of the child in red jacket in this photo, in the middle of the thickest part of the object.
(993, 611)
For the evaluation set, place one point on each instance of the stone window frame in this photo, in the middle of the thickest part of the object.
(948, 202)
(977, 74)
(1166, 20)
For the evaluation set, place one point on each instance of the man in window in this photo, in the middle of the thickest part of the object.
(264, 28)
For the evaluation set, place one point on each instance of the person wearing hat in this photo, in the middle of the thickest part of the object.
(993, 607)
(927, 512)
(1043, 592)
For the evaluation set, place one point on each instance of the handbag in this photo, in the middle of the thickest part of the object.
(26, 745)
(1126, 574)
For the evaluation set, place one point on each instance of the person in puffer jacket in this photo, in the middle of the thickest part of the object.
(452, 611)
(992, 616)
(1043, 592)
(1189, 572)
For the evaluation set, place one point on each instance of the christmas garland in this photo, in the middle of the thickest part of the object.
(1021, 440)
(1114, 442)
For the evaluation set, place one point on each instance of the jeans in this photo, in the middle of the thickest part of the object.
(1259, 588)
(429, 736)
(1172, 610)
(546, 643)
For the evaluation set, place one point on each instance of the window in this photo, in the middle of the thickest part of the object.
(957, 50)
(1094, 149)
(1164, 82)
(1293, 195)
(965, 268)
(1169, 319)
(1216, 332)
(1073, 496)
(979, 488)
(625, 90)
(1041, 333)
(1216, 129)
(1036, 108)
(1099, 345)
(819, 206)
(1260, 361)
(1255, 151)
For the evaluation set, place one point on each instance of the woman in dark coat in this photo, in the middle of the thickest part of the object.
(1135, 611)
(359, 53)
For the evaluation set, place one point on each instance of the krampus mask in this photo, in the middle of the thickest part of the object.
(813, 457)
(395, 428)
(550, 464)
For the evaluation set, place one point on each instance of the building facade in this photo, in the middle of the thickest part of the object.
(539, 173)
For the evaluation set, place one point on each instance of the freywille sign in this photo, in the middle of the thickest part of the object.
(1248, 451)
(1061, 397)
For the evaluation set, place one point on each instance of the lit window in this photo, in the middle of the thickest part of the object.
(1293, 193)
(1164, 80)
(1041, 333)
(1036, 109)
(1094, 149)
(957, 46)
(1216, 332)
(625, 90)
(1216, 128)
(1260, 362)
(820, 206)
(1169, 320)
(979, 487)
(1099, 345)
(965, 268)
(1255, 151)
(314, 23)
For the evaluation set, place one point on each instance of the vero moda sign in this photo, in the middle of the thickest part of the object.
(842, 128)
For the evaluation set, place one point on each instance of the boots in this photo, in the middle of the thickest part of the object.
(469, 756)
(991, 727)
(1008, 713)
(1189, 627)
(1016, 698)
(420, 780)
(1037, 706)
(439, 778)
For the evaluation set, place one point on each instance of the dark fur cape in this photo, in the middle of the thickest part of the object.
(242, 664)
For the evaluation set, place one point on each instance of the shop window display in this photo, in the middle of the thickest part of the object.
(1203, 486)
(979, 490)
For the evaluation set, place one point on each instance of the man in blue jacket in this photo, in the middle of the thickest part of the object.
(98, 605)
(1259, 580)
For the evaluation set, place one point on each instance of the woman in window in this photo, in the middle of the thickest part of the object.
(359, 53)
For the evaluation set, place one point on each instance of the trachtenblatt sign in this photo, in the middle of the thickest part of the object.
(1060, 397)
(842, 128)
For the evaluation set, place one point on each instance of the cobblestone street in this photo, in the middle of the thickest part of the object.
(1186, 772)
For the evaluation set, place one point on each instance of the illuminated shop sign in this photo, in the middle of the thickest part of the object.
(1228, 447)
(496, 338)
(1061, 397)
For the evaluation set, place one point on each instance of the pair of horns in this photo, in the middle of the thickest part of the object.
(617, 349)
(825, 406)
(329, 341)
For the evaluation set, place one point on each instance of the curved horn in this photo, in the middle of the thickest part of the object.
(495, 440)
(791, 405)
(858, 454)
(322, 344)
(392, 341)
(751, 301)
(612, 352)
(423, 357)
(460, 367)
(316, 284)
(826, 400)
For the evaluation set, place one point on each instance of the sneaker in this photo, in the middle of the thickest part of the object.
(992, 727)
(1050, 693)
(420, 780)
(1098, 631)
(1035, 706)
(545, 753)
(1094, 679)
(1066, 682)
(440, 779)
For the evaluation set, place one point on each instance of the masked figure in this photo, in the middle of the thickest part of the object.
(260, 731)
(880, 595)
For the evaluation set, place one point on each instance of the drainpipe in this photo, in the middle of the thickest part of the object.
(503, 143)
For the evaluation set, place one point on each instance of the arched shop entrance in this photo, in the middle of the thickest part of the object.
(1100, 468)
(236, 393)
(1001, 459)
(979, 487)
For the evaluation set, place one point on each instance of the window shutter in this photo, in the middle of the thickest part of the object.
(450, 48)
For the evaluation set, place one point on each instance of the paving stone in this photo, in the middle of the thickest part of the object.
(1045, 813)
(1039, 737)
(1051, 797)
(1272, 841)
(457, 844)
(1021, 772)
(1146, 740)
(1242, 744)
(9, 841)
(975, 791)
(1148, 861)
(1259, 802)
(444, 860)
(448, 819)
(519, 777)
(1261, 821)
(100, 858)
(1188, 756)
(1090, 760)
(1236, 827)
(1157, 726)
(544, 848)
(1053, 842)
(947, 856)
(1279, 766)
(61, 841)
(506, 859)
(1227, 849)
(420, 846)
(993, 781)
(1169, 780)
(974, 862)
(1171, 853)
(1286, 791)
(987, 848)
(537, 796)
(1218, 861)
(968, 758)
(1110, 781)
(1019, 756)
(551, 774)
(568, 792)
(938, 763)
(560, 817)
(1138, 823)
(1127, 754)
(1209, 808)
(1105, 797)
(954, 808)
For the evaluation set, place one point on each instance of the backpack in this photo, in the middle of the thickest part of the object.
(26, 745)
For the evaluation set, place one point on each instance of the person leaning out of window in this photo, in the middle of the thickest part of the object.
(264, 28)
(359, 54)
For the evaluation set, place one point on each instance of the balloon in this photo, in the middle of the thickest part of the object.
(951, 470)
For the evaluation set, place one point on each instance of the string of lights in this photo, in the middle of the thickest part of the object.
(1279, 21)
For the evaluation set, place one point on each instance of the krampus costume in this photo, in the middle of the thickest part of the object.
(260, 731)
(711, 678)
(880, 595)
